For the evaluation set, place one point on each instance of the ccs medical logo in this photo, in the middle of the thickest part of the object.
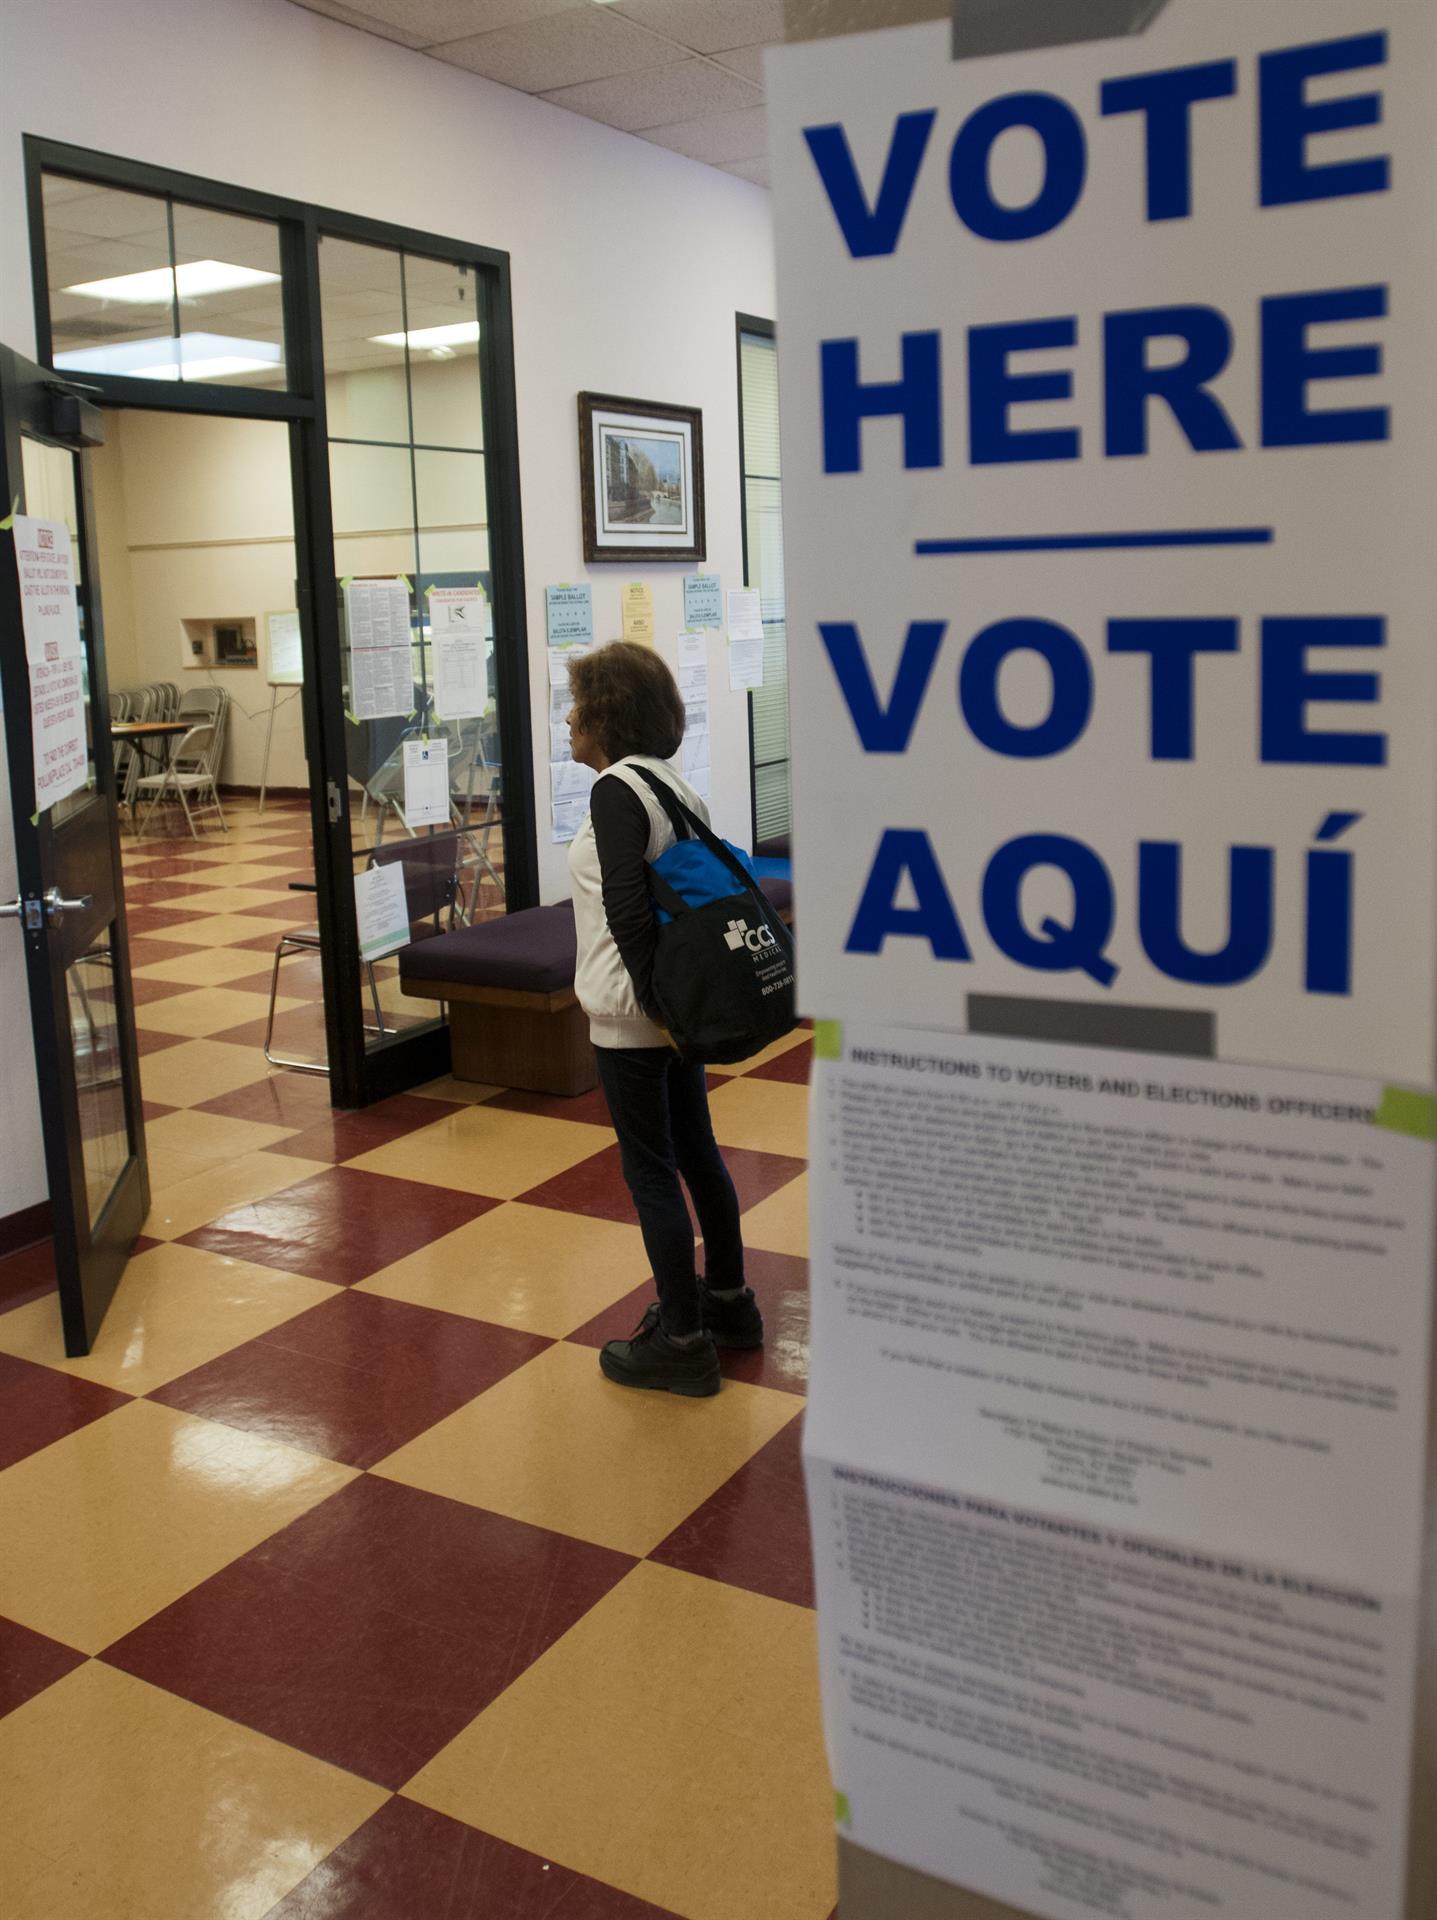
(741, 934)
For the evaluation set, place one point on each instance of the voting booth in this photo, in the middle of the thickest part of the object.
(1110, 458)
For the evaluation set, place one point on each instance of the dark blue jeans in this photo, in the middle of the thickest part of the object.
(660, 1109)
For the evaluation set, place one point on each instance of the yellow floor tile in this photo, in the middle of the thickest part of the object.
(223, 929)
(193, 1142)
(109, 1524)
(467, 1091)
(147, 1805)
(484, 1151)
(572, 1763)
(204, 1196)
(199, 1070)
(770, 1052)
(519, 1266)
(209, 1010)
(780, 1223)
(175, 1308)
(766, 1114)
(206, 967)
(224, 874)
(558, 1445)
(232, 899)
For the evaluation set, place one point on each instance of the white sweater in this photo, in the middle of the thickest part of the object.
(601, 981)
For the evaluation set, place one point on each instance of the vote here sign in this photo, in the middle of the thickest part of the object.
(1110, 457)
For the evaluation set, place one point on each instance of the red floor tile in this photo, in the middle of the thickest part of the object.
(591, 1107)
(145, 953)
(354, 1378)
(155, 1109)
(29, 1662)
(753, 1532)
(263, 942)
(596, 1185)
(27, 1274)
(42, 1405)
(793, 1067)
(281, 1100)
(145, 990)
(410, 1863)
(780, 1282)
(341, 1225)
(144, 921)
(344, 1136)
(150, 1040)
(369, 1632)
(299, 911)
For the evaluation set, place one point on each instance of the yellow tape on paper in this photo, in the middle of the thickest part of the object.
(352, 718)
(828, 1039)
(1405, 1110)
(405, 582)
(842, 1812)
(9, 520)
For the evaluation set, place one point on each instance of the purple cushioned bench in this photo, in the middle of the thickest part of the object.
(514, 1020)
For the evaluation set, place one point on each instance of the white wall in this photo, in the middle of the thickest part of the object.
(259, 92)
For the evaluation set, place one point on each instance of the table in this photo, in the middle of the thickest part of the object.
(144, 734)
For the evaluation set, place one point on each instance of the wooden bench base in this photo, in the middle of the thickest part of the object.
(503, 1038)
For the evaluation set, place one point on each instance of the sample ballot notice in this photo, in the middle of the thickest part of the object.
(1115, 1462)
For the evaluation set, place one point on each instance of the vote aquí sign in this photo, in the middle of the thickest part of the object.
(1110, 459)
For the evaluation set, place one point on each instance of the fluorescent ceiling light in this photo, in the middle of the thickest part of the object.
(192, 281)
(451, 336)
(194, 356)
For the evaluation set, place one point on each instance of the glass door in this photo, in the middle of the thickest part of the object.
(70, 910)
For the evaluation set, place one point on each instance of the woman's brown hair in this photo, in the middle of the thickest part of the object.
(628, 700)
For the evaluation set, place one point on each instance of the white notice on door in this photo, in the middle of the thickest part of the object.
(426, 782)
(381, 665)
(50, 615)
(381, 910)
(457, 629)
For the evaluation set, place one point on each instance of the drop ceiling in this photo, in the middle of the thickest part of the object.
(685, 74)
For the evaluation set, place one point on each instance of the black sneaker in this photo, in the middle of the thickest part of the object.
(735, 1323)
(651, 1359)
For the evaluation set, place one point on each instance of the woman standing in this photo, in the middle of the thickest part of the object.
(628, 713)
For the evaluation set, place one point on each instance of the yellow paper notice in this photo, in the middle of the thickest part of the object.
(638, 600)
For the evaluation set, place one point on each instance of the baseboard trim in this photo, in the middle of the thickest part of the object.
(270, 792)
(23, 1229)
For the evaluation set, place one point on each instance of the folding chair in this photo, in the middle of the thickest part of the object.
(191, 770)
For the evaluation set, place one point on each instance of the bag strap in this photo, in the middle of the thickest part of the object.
(668, 897)
(687, 825)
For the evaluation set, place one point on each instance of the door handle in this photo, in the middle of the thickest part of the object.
(56, 908)
(53, 907)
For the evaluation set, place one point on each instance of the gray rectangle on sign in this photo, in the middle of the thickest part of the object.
(1085, 1023)
(984, 27)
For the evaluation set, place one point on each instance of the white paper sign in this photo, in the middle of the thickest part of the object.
(49, 612)
(458, 633)
(1110, 474)
(51, 619)
(1110, 1352)
(426, 782)
(380, 650)
(381, 911)
(286, 658)
(745, 614)
(745, 663)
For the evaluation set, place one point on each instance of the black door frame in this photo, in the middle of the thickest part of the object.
(357, 1076)
(82, 857)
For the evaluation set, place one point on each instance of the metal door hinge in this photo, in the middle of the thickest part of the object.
(336, 803)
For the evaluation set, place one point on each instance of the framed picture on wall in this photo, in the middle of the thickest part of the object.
(642, 468)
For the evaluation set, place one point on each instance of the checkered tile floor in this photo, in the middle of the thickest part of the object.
(336, 1581)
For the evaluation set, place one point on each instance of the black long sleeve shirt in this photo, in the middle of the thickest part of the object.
(621, 837)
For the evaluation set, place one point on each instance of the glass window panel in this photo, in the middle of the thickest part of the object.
(159, 290)
(362, 313)
(97, 240)
(227, 270)
(99, 1072)
(373, 489)
(441, 300)
(763, 530)
(453, 512)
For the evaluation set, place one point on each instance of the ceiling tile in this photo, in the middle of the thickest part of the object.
(657, 97)
(745, 60)
(366, 22)
(755, 170)
(717, 137)
(583, 43)
(708, 26)
(422, 23)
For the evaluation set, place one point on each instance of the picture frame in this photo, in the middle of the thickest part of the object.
(641, 466)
